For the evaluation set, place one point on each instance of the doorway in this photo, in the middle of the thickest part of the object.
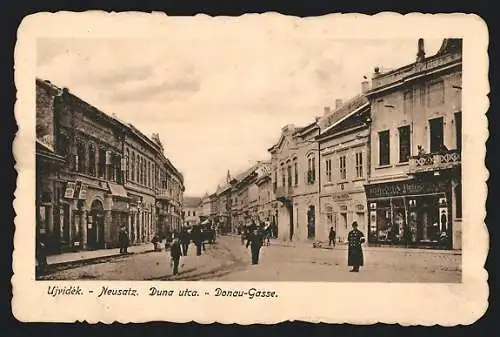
(311, 222)
(95, 226)
(290, 213)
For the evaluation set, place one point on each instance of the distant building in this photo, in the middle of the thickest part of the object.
(414, 191)
(191, 209)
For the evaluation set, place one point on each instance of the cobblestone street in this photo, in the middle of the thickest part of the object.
(229, 260)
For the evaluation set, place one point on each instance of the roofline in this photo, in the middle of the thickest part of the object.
(343, 119)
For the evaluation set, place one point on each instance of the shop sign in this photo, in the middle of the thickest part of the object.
(341, 196)
(412, 187)
(82, 195)
(70, 190)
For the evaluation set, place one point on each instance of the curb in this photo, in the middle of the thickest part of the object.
(91, 259)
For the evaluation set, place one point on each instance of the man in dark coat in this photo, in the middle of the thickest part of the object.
(175, 254)
(255, 241)
(184, 238)
(355, 253)
(331, 237)
(197, 239)
(123, 240)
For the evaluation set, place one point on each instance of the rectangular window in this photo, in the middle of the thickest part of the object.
(404, 144)
(436, 94)
(102, 163)
(384, 148)
(328, 170)
(296, 173)
(283, 176)
(359, 165)
(91, 168)
(458, 129)
(118, 169)
(436, 134)
(194, 213)
(342, 171)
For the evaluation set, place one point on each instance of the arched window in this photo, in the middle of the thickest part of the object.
(91, 168)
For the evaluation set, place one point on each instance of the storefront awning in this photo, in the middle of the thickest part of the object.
(117, 190)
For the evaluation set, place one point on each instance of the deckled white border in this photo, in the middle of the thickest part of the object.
(407, 304)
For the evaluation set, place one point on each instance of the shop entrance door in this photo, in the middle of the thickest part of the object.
(95, 226)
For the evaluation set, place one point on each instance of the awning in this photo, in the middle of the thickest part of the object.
(117, 190)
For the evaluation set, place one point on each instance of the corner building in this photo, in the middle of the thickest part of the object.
(102, 175)
(414, 192)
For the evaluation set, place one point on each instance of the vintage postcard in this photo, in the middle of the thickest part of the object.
(251, 169)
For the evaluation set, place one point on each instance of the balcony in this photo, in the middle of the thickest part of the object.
(284, 193)
(434, 161)
(162, 194)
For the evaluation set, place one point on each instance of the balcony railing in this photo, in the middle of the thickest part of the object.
(162, 193)
(284, 192)
(434, 161)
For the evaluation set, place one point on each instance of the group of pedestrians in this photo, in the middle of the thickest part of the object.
(181, 241)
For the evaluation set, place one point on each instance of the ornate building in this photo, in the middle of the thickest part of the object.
(109, 174)
(414, 191)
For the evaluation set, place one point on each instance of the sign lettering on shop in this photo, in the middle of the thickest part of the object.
(70, 190)
(341, 196)
(404, 188)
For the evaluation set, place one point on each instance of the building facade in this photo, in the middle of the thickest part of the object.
(344, 158)
(107, 178)
(414, 191)
(191, 209)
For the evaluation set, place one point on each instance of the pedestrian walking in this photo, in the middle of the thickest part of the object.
(123, 240)
(175, 254)
(196, 237)
(184, 238)
(355, 253)
(331, 237)
(255, 241)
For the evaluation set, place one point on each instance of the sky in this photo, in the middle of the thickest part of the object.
(218, 97)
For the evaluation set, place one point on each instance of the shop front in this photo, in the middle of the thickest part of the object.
(341, 210)
(411, 213)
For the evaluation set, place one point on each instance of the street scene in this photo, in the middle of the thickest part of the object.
(156, 163)
(229, 260)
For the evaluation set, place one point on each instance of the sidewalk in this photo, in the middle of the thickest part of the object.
(88, 255)
(366, 248)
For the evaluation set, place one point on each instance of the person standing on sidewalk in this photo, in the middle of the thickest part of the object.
(184, 238)
(175, 254)
(355, 253)
(255, 241)
(331, 237)
(123, 240)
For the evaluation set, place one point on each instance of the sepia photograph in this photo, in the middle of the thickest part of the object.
(280, 161)
(356, 161)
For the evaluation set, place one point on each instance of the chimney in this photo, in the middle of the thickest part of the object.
(365, 86)
(421, 50)
(326, 110)
(338, 103)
